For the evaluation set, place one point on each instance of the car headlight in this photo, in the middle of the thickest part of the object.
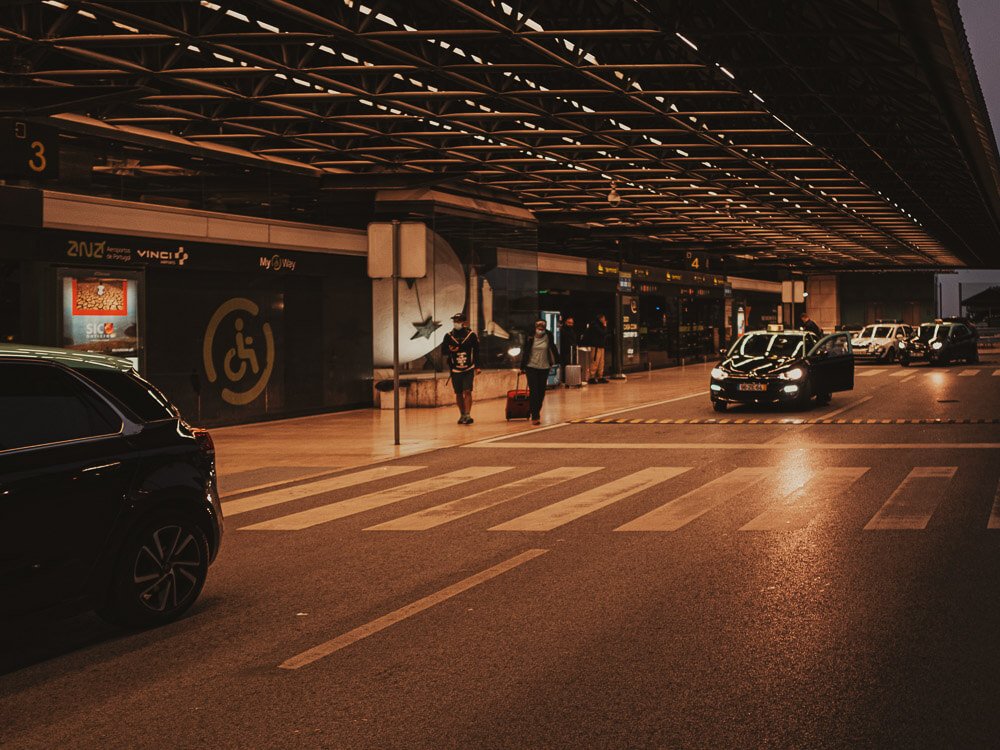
(796, 373)
(936, 345)
(902, 344)
(719, 374)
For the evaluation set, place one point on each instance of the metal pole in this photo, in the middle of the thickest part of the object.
(395, 330)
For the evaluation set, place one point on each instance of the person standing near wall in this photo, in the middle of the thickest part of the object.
(567, 343)
(597, 339)
(538, 357)
(461, 349)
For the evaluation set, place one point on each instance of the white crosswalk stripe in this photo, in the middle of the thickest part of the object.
(868, 373)
(691, 505)
(800, 506)
(914, 501)
(372, 500)
(901, 372)
(441, 514)
(996, 373)
(309, 489)
(994, 522)
(577, 506)
(968, 373)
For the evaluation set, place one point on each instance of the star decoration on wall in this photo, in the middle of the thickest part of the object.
(425, 329)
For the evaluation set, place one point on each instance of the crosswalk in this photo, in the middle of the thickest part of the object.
(794, 501)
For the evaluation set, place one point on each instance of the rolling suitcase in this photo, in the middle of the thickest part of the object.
(572, 376)
(518, 406)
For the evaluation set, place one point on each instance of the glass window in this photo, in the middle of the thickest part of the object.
(140, 397)
(42, 404)
(834, 346)
(769, 345)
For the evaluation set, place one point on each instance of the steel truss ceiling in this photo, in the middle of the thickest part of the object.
(812, 133)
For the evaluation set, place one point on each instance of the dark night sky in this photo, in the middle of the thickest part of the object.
(982, 26)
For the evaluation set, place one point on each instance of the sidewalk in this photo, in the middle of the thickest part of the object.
(264, 453)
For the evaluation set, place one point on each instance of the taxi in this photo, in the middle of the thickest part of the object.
(776, 366)
(941, 342)
(879, 342)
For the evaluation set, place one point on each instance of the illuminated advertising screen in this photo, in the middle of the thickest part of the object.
(100, 314)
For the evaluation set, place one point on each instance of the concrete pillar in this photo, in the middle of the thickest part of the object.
(823, 302)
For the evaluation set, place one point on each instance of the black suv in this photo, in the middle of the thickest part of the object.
(108, 499)
(941, 342)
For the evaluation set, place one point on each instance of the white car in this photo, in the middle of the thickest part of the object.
(879, 341)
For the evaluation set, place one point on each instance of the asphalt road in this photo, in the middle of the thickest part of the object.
(642, 584)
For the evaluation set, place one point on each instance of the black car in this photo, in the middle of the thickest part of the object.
(108, 499)
(940, 342)
(784, 367)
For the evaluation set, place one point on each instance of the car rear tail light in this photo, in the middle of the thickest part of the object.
(205, 442)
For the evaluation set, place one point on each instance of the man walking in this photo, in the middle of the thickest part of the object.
(597, 337)
(808, 324)
(461, 349)
(538, 357)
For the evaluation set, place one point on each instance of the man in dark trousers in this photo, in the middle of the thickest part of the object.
(808, 324)
(567, 343)
(461, 349)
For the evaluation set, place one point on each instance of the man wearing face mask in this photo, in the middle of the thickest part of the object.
(538, 357)
(461, 348)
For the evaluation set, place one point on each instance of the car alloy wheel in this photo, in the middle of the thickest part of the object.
(166, 568)
(159, 572)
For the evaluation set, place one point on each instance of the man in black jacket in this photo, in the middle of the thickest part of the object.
(567, 342)
(597, 339)
(461, 349)
(808, 324)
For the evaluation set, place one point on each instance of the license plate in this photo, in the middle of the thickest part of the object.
(753, 386)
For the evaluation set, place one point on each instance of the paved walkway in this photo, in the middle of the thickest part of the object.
(264, 453)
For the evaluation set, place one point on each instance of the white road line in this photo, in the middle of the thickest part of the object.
(968, 373)
(907, 380)
(900, 372)
(736, 446)
(372, 500)
(868, 373)
(689, 506)
(994, 522)
(494, 440)
(996, 373)
(441, 514)
(353, 636)
(577, 506)
(800, 505)
(299, 491)
(914, 501)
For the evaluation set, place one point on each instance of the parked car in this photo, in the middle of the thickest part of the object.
(939, 343)
(779, 366)
(108, 498)
(879, 342)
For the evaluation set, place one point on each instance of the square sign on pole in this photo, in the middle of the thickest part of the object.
(396, 249)
(413, 243)
(793, 291)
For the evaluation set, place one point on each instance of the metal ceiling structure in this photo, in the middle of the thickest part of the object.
(814, 133)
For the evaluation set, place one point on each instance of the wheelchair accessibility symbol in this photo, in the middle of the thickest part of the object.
(247, 361)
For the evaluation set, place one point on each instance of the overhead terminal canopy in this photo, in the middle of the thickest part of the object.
(812, 133)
